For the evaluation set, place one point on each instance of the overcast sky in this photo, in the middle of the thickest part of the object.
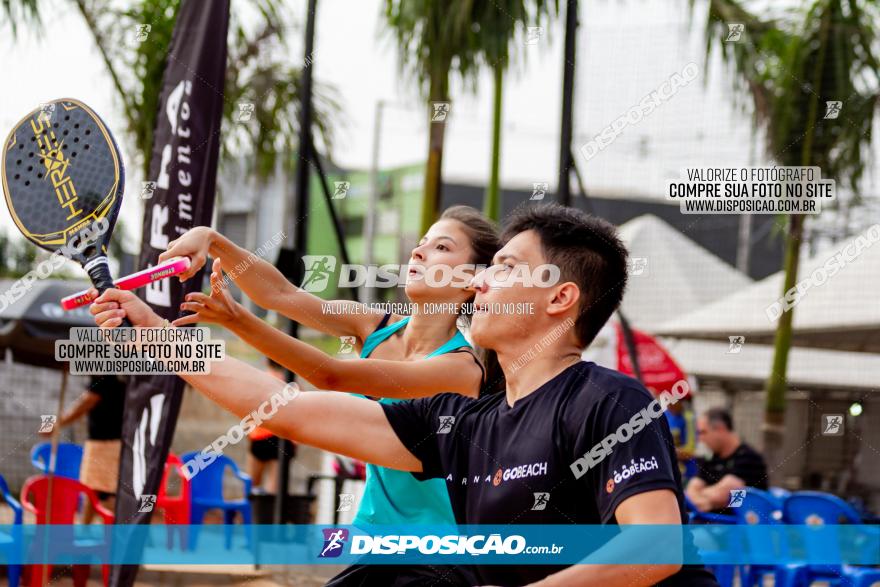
(626, 49)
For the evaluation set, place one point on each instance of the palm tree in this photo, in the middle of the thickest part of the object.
(258, 71)
(20, 10)
(790, 67)
(499, 24)
(432, 43)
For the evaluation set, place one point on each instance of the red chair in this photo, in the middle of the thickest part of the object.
(175, 508)
(65, 500)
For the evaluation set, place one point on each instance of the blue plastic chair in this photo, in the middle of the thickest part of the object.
(762, 508)
(9, 544)
(780, 493)
(207, 494)
(67, 459)
(817, 508)
(724, 573)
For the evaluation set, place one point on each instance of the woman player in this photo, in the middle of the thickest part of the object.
(415, 356)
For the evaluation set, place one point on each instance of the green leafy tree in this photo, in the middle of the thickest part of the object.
(259, 72)
(790, 67)
(433, 42)
(501, 24)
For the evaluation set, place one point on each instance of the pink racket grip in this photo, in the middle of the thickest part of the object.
(168, 268)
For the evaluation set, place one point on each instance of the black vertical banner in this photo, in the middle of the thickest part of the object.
(183, 165)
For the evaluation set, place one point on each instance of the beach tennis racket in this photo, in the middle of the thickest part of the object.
(173, 266)
(63, 180)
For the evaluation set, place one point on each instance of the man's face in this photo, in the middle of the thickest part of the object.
(712, 435)
(505, 285)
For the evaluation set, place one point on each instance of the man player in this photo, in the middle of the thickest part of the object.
(556, 409)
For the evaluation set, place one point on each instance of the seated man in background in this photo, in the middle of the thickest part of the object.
(734, 464)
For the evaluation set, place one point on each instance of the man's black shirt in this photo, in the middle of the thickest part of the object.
(495, 457)
(745, 462)
(105, 419)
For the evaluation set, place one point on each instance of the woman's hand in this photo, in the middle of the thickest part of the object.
(113, 305)
(218, 308)
(194, 244)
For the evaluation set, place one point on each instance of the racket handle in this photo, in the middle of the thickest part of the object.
(99, 272)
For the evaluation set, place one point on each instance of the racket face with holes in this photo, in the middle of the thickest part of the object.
(61, 172)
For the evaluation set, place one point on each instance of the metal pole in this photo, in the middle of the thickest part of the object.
(301, 216)
(370, 218)
(50, 468)
(564, 188)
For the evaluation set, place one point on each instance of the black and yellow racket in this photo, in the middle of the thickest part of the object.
(63, 179)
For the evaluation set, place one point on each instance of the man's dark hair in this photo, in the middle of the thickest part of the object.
(719, 416)
(588, 253)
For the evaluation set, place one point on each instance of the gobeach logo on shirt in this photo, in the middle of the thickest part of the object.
(629, 471)
(501, 475)
(626, 431)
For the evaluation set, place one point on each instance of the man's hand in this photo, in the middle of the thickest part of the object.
(194, 244)
(218, 308)
(113, 305)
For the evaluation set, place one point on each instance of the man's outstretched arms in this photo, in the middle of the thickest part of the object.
(343, 424)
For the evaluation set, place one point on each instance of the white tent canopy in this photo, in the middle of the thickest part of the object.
(670, 274)
(807, 367)
(839, 308)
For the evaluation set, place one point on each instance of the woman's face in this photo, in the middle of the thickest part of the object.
(440, 266)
